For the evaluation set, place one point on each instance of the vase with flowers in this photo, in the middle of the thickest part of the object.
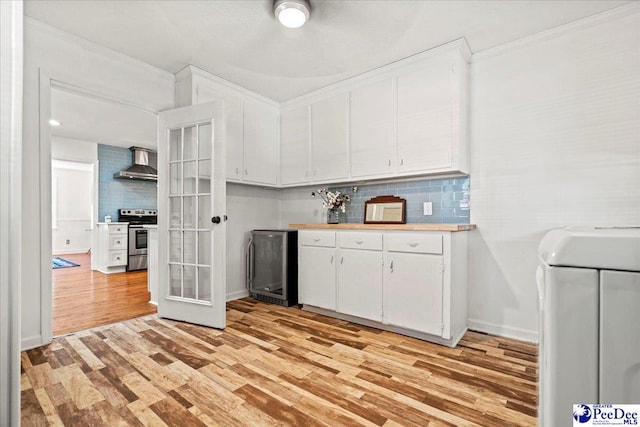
(336, 204)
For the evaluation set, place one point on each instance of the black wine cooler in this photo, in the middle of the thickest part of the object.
(272, 266)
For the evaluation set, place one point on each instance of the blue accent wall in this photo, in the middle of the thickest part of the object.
(121, 193)
(450, 198)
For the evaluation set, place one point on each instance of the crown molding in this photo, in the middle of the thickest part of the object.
(89, 45)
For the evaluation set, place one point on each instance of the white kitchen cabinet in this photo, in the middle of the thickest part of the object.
(317, 276)
(360, 283)
(251, 124)
(413, 291)
(329, 138)
(113, 247)
(294, 145)
(260, 130)
(428, 103)
(371, 122)
(410, 282)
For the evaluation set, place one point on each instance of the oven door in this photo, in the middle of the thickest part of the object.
(137, 240)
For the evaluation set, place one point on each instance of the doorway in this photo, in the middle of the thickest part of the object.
(85, 125)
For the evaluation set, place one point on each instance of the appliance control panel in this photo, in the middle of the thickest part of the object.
(139, 212)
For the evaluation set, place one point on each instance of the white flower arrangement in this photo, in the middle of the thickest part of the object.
(332, 200)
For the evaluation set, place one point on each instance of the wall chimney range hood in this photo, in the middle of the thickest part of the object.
(141, 168)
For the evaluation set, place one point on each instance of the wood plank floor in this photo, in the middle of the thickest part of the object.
(274, 366)
(83, 298)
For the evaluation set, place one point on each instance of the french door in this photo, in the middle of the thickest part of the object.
(191, 215)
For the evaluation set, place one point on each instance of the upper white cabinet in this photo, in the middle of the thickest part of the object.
(405, 119)
(251, 125)
(260, 128)
(294, 145)
(372, 129)
(428, 103)
(329, 138)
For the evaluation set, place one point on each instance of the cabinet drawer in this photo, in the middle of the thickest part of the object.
(118, 242)
(117, 258)
(414, 242)
(118, 229)
(370, 241)
(317, 238)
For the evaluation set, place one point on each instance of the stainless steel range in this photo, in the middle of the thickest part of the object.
(137, 218)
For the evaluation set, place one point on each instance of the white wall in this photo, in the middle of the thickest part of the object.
(83, 64)
(72, 194)
(11, 30)
(555, 141)
(248, 208)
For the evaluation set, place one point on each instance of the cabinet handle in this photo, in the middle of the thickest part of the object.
(316, 240)
(341, 260)
(391, 267)
(331, 259)
(306, 174)
(389, 162)
(246, 172)
(359, 242)
(237, 171)
(401, 162)
(413, 245)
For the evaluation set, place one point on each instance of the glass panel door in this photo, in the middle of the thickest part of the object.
(191, 220)
(190, 212)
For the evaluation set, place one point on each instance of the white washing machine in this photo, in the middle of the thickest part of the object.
(589, 300)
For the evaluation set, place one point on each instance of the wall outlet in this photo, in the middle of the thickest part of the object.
(427, 208)
(68, 242)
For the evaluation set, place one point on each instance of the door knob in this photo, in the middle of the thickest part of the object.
(215, 220)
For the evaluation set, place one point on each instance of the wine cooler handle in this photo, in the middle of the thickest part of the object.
(249, 265)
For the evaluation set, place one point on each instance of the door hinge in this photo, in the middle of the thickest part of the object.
(443, 266)
(441, 328)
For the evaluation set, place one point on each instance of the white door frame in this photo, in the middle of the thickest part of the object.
(11, 84)
(67, 83)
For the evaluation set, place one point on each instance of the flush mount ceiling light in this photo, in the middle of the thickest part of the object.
(292, 13)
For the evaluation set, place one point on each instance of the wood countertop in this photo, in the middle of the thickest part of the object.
(407, 227)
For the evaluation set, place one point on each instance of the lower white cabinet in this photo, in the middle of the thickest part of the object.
(413, 283)
(317, 276)
(113, 247)
(413, 291)
(360, 283)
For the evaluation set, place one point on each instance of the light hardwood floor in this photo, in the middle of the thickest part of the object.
(83, 298)
(275, 366)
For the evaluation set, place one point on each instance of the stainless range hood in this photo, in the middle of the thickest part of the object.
(141, 168)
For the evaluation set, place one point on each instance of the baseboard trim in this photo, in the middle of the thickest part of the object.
(237, 295)
(30, 342)
(72, 251)
(503, 331)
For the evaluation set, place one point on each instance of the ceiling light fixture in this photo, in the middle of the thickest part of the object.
(292, 13)
(54, 122)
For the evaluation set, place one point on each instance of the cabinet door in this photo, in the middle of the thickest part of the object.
(260, 126)
(412, 292)
(360, 283)
(329, 138)
(235, 152)
(372, 129)
(425, 117)
(317, 277)
(294, 146)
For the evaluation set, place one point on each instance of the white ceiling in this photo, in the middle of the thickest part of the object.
(100, 120)
(241, 41)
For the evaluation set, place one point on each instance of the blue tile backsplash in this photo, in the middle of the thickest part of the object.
(449, 196)
(121, 193)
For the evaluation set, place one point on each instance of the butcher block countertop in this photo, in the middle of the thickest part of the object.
(407, 227)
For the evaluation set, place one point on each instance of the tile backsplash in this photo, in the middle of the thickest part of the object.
(449, 196)
(121, 193)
